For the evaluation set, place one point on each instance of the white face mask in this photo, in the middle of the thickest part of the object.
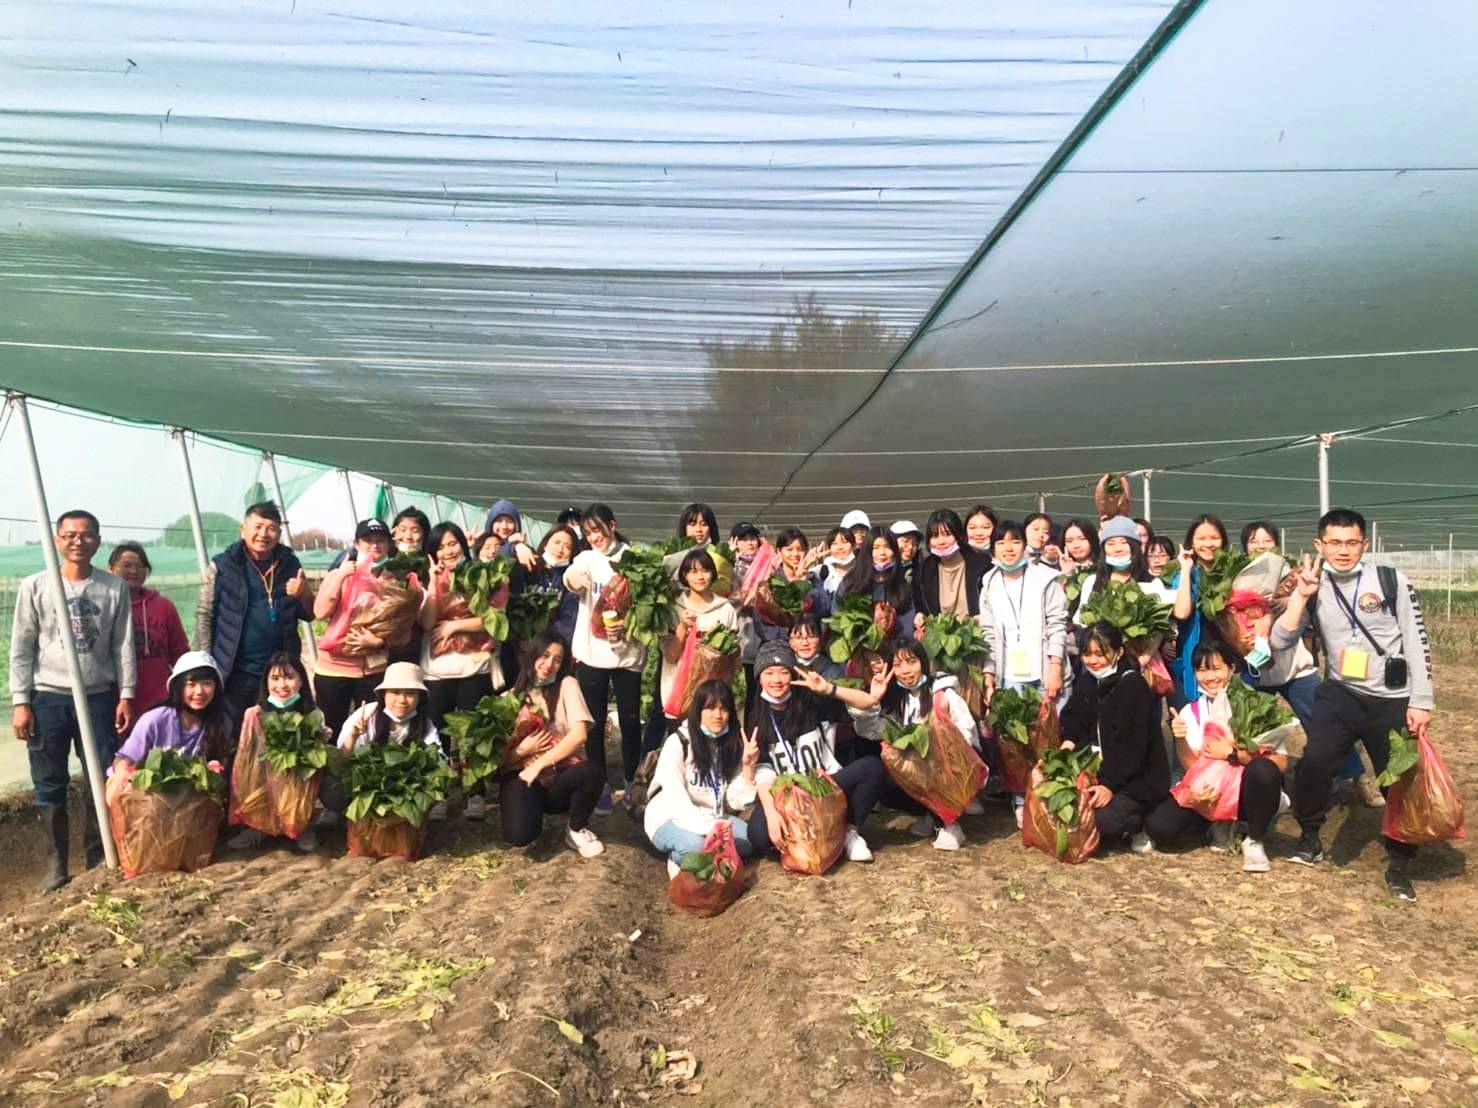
(401, 719)
(1100, 674)
(545, 682)
(776, 701)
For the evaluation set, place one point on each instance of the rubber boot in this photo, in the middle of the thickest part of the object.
(54, 825)
(92, 836)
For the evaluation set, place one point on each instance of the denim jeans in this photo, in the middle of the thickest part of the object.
(57, 735)
(674, 841)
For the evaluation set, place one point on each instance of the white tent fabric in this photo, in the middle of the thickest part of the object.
(541, 252)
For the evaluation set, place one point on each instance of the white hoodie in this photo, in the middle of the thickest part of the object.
(680, 795)
(916, 705)
(588, 574)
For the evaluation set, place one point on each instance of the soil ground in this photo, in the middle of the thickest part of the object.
(488, 976)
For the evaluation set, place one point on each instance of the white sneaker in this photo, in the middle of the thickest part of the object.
(438, 812)
(1221, 835)
(245, 839)
(477, 808)
(857, 849)
(327, 819)
(922, 828)
(585, 842)
(975, 808)
(307, 842)
(1020, 815)
(1140, 843)
(1284, 805)
(673, 869)
(1254, 857)
(949, 837)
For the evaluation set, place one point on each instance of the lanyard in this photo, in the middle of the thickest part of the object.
(1017, 604)
(1345, 605)
(791, 752)
(267, 580)
(715, 782)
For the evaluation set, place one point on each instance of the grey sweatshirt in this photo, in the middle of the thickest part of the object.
(1402, 635)
(102, 628)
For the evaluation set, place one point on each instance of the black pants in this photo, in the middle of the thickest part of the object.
(575, 789)
(596, 685)
(338, 696)
(1123, 815)
(454, 694)
(1262, 786)
(658, 727)
(240, 693)
(863, 782)
(1342, 716)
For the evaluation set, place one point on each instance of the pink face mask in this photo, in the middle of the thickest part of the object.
(948, 549)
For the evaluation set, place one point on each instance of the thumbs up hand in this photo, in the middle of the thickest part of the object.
(297, 586)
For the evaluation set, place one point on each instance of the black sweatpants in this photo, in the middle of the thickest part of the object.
(454, 694)
(338, 696)
(597, 685)
(862, 781)
(1122, 815)
(1262, 786)
(575, 789)
(1341, 717)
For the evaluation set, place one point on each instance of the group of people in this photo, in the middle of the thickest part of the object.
(1346, 649)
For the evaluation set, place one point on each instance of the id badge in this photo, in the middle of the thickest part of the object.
(1354, 663)
(1020, 660)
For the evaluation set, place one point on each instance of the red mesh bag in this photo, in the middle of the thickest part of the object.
(615, 597)
(699, 663)
(386, 837)
(757, 573)
(160, 832)
(945, 779)
(1424, 806)
(813, 829)
(1077, 842)
(700, 896)
(271, 802)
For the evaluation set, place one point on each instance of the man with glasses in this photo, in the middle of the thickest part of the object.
(1378, 680)
(45, 716)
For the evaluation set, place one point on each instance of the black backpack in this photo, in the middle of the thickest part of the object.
(1389, 590)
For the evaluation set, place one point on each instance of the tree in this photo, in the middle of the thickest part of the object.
(220, 531)
(808, 336)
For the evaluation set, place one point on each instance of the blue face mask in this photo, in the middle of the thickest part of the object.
(712, 734)
(545, 682)
(285, 703)
(1261, 655)
(1118, 561)
(1012, 567)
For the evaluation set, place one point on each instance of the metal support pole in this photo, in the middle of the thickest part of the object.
(1042, 502)
(196, 525)
(1283, 539)
(349, 492)
(390, 497)
(466, 526)
(1375, 535)
(287, 532)
(1324, 441)
(1449, 576)
(437, 517)
(1147, 502)
(63, 614)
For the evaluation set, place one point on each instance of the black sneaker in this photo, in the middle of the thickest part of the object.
(1399, 885)
(1308, 852)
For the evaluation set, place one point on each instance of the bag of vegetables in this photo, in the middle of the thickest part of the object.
(1423, 804)
(391, 788)
(1212, 787)
(383, 602)
(529, 613)
(779, 602)
(1111, 496)
(1058, 820)
(1024, 727)
(650, 606)
(165, 812)
(855, 628)
(1144, 622)
(764, 565)
(812, 816)
(481, 590)
(1259, 586)
(934, 763)
(278, 769)
(709, 657)
(612, 606)
(958, 647)
(710, 879)
(482, 737)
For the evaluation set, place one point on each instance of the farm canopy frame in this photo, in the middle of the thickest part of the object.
(787, 258)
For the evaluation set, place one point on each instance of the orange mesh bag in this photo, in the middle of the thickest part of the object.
(163, 832)
(1111, 496)
(1069, 841)
(261, 798)
(712, 878)
(811, 814)
(386, 837)
(945, 774)
(1423, 805)
(700, 662)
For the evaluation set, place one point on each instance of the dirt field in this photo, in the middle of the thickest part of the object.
(486, 976)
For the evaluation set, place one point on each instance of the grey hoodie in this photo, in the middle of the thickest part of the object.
(102, 630)
(502, 508)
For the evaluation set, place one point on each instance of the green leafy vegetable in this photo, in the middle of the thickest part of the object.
(169, 771)
(705, 867)
(722, 640)
(653, 607)
(853, 628)
(953, 642)
(1072, 583)
(676, 545)
(1058, 789)
(813, 784)
(401, 566)
(1114, 485)
(1129, 608)
(1216, 581)
(1013, 713)
(790, 595)
(478, 582)
(294, 743)
(386, 779)
(1403, 759)
(482, 735)
(915, 738)
(530, 611)
(1254, 714)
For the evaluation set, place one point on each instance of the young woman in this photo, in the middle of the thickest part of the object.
(1079, 545)
(610, 665)
(192, 718)
(706, 774)
(347, 675)
(1158, 554)
(949, 575)
(1146, 534)
(1120, 560)
(284, 689)
(557, 549)
(1262, 796)
(910, 542)
(841, 554)
(697, 524)
(796, 561)
(411, 530)
(745, 540)
(980, 527)
(796, 722)
(806, 639)
(1258, 537)
(1203, 539)
(700, 610)
(1038, 532)
(548, 770)
(158, 636)
(909, 700)
(1113, 710)
(878, 574)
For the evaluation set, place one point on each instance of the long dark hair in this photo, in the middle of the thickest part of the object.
(730, 746)
(892, 704)
(283, 660)
(601, 516)
(1089, 531)
(1221, 529)
(441, 531)
(548, 693)
(425, 523)
(215, 739)
(698, 510)
(861, 578)
(1138, 568)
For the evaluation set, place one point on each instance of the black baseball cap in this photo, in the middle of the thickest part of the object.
(371, 529)
(744, 530)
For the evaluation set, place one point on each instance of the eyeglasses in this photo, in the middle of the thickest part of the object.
(1343, 544)
(77, 536)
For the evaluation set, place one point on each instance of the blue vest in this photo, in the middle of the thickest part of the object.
(233, 579)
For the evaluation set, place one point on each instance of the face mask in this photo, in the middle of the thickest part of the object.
(712, 734)
(1118, 561)
(1034, 551)
(1100, 674)
(806, 662)
(401, 719)
(407, 548)
(1261, 653)
(881, 567)
(777, 701)
(919, 684)
(945, 551)
(1012, 567)
(556, 563)
(286, 702)
(1342, 574)
(843, 563)
(545, 682)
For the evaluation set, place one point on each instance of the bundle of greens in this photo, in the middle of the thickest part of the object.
(705, 866)
(812, 784)
(401, 565)
(1058, 789)
(1216, 579)
(294, 743)
(678, 544)
(1129, 608)
(653, 612)
(482, 736)
(1013, 713)
(1072, 583)
(1111, 496)
(915, 738)
(853, 628)
(722, 640)
(169, 771)
(529, 613)
(778, 599)
(1404, 757)
(384, 779)
(953, 642)
(1254, 714)
(479, 583)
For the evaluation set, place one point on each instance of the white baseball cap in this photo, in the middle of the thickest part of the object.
(906, 527)
(856, 518)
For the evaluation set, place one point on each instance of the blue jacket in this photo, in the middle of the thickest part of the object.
(221, 617)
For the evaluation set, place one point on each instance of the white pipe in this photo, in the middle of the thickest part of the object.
(390, 497)
(349, 492)
(287, 531)
(196, 524)
(1324, 441)
(1147, 501)
(436, 511)
(63, 613)
(1042, 502)
(466, 527)
(1449, 576)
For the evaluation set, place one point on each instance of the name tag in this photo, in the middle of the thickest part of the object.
(1354, 663)
(1020, 661)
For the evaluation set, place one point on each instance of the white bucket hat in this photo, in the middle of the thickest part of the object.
(401, 676)
(196, 659)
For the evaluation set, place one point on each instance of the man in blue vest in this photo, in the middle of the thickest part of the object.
(252, 598)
